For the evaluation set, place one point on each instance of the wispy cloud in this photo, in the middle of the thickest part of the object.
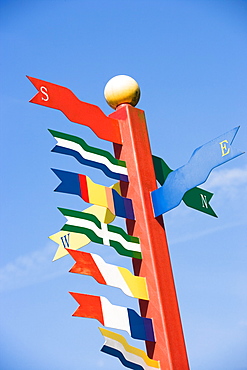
(229, 185)
(29, 269)
(197, 235)
(225, 178)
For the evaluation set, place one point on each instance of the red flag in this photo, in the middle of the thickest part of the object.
(59, 97)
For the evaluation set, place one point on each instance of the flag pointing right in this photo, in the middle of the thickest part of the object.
(203, 160)
(196, 198)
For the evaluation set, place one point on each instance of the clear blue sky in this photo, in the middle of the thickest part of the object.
(189, 58)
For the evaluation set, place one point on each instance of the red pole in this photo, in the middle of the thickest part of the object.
(162, 307)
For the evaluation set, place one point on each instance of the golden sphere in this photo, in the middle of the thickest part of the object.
(122, 89)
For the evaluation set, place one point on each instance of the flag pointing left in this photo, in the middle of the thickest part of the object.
(133, 358)
(67, 240)
(79, 184)
(75, 241)
(116, 317)
(63, 99)
(104, 273)
(98, 232)
(90, 156)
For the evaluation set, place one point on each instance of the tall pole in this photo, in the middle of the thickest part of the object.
(162, 306)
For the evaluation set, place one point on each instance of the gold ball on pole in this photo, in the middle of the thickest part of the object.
(122, 89)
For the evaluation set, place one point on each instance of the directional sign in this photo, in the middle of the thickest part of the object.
(98, 232)
(63, 99)
(145, 241)
(90, 156)
(79, 184)
(196, 198)
(195, 172)
(113, 316)
(68, 240)
(133, 358)
(71, 240)
(105, 273)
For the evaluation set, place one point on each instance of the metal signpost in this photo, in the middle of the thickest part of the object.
(136, 198)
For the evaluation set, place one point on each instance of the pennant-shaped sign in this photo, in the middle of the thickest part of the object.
(107, 274)
(195, 172)
(67, 240)
(90, 156)
(63, 99)
(116, 317)
(98, 232)
(73, 183)
(195, 198)
(75, 240)
(133, 358)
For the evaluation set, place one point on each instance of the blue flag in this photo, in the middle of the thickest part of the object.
(195, 172)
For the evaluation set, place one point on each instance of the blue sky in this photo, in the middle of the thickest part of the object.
(189, 58)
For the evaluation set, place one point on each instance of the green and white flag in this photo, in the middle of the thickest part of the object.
(90, 156)
(101, 233)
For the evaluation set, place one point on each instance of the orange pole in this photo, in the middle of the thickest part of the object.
(162, 307)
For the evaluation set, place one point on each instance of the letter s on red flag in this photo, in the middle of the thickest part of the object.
(63, 99)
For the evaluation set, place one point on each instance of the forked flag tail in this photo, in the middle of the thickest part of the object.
(116, 317)
(63, 99)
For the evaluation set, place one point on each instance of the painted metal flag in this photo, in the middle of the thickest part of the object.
(203, 160)
(67, 241)
(133, 358)
(75, 241)
(112, 316)
(63, 99)
(78, 184)
(196, 198)
(104, 273)
(90, 156)
(99, 232)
